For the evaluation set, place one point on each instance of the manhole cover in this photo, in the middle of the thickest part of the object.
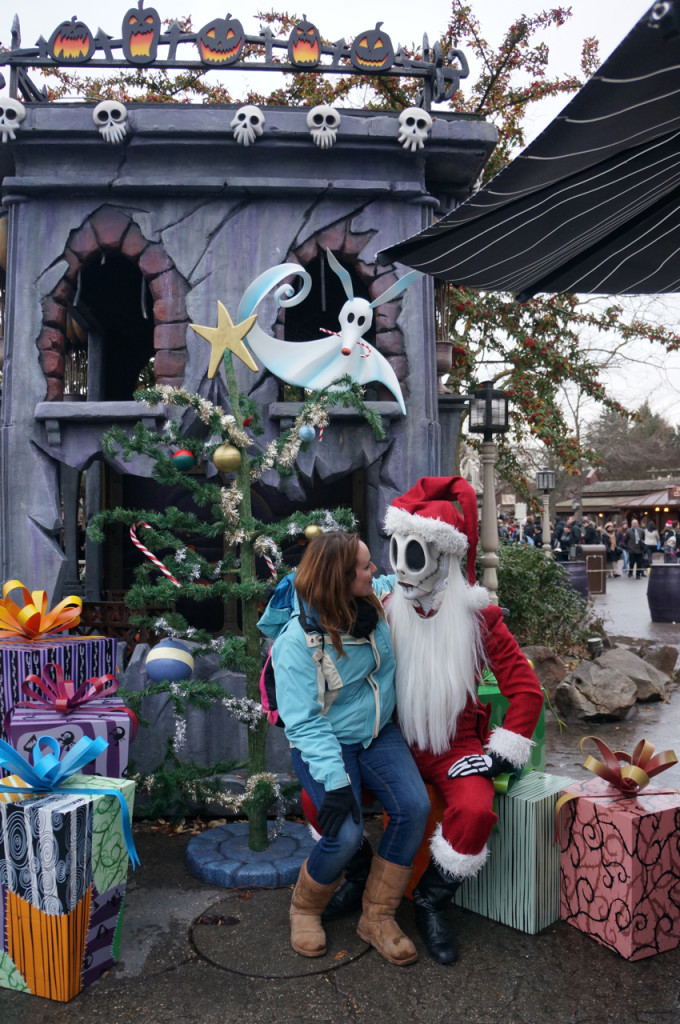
(248, 933)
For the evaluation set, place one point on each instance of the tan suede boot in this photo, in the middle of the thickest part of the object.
(307, 936)
(382, 895)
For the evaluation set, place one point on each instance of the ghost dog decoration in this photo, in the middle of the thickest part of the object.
(110, 117)
(414, 124)
(323, 123)
(12, 113)
(248, 123)
(320, 363)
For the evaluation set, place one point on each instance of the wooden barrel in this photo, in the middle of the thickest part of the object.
(578, 577)
(663, 593)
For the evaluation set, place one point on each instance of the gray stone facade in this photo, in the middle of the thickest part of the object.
(197, 217)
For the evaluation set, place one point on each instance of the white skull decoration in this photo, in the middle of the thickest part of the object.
(248, 123)
(323, 123)
(110, 118)
(414, 124)
(12, 114)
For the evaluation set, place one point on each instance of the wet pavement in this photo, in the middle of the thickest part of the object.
(194, 953)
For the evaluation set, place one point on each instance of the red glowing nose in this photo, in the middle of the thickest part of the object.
(346, 351)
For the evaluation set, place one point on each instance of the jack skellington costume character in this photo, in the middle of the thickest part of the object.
(444, 631)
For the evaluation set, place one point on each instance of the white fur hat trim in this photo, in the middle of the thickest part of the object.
(446, 538)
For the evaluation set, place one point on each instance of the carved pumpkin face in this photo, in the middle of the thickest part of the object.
(304, 45)
(141, 32)
(221, 41)
(71, 42)
(372, 51)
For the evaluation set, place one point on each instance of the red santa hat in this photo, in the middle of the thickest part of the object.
(426, 510)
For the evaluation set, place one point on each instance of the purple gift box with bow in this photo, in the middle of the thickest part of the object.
(80, 657)
(54, 706)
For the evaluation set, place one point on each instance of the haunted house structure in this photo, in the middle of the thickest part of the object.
(116, 245)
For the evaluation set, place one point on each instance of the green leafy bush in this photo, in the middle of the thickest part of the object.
(543, 608)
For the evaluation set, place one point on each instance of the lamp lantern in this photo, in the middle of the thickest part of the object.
(546, 481)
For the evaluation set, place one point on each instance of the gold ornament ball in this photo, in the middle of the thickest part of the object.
(313, 531)
(227, 458)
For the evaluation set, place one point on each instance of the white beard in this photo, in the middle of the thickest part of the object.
(438, 661)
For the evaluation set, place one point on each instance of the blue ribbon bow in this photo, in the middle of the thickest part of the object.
(48, 773)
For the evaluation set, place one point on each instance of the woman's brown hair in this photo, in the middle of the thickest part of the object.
(323, 580)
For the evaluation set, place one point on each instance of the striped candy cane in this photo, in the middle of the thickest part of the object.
(264, 543)
(145, 551)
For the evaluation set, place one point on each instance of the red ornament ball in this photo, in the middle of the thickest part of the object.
(184, 460)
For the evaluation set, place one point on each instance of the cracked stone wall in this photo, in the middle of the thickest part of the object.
(201, 217)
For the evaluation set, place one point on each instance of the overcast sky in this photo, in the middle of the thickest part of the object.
(608, 20)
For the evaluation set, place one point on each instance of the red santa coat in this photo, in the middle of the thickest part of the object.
(459, 844)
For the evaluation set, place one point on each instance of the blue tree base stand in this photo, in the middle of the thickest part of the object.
(221, 856)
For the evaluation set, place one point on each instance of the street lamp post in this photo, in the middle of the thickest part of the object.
(545, 481)
(489, 416)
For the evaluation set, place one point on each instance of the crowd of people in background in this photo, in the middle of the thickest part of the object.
(629, 547)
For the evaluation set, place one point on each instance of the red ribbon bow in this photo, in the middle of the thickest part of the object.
(60, 694)
(54, 691)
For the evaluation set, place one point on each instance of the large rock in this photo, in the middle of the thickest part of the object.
(547, 666)
(650, 682)
(661, 656)
(592, 692)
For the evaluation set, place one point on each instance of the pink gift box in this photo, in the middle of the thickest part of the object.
(106, 718)
(620, 867)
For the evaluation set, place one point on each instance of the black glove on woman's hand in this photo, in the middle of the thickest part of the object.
(336, 805)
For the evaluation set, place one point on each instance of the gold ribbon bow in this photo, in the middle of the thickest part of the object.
(32, 620)
(636, 771)
(629, 777)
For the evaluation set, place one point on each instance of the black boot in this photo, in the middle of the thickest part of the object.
(431, 898)
(347, 898)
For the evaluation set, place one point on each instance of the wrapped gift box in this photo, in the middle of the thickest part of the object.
(520, 883)
(489, 693)
(60, 920)
(106, 718)
(81, 657)
(620, 867)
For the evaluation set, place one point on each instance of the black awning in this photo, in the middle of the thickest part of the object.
(593, 204)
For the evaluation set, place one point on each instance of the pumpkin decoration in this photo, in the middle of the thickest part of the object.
(372, 51)
(304, 44)
(141, 32)
(221, 41)
(71, 42)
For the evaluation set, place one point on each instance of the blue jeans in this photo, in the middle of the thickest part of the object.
(388, 770)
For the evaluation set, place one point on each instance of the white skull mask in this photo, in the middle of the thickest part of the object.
(418, 565)
(414, 124)
(247, 124)
(12, 113)
(323, 123)
(110, 118)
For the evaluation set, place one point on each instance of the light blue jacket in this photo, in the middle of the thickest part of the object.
(323, 708)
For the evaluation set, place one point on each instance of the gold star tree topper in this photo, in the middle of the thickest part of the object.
(227, 335)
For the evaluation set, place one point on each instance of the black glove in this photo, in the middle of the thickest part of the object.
(486, 765)
(335, 807)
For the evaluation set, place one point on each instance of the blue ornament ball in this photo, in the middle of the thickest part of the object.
(307, 432)
(169, 659)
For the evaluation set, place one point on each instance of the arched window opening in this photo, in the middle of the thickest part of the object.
(113, 299)
(320, 310)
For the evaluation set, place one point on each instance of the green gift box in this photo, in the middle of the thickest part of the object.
(520, 883)
(489, 693)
